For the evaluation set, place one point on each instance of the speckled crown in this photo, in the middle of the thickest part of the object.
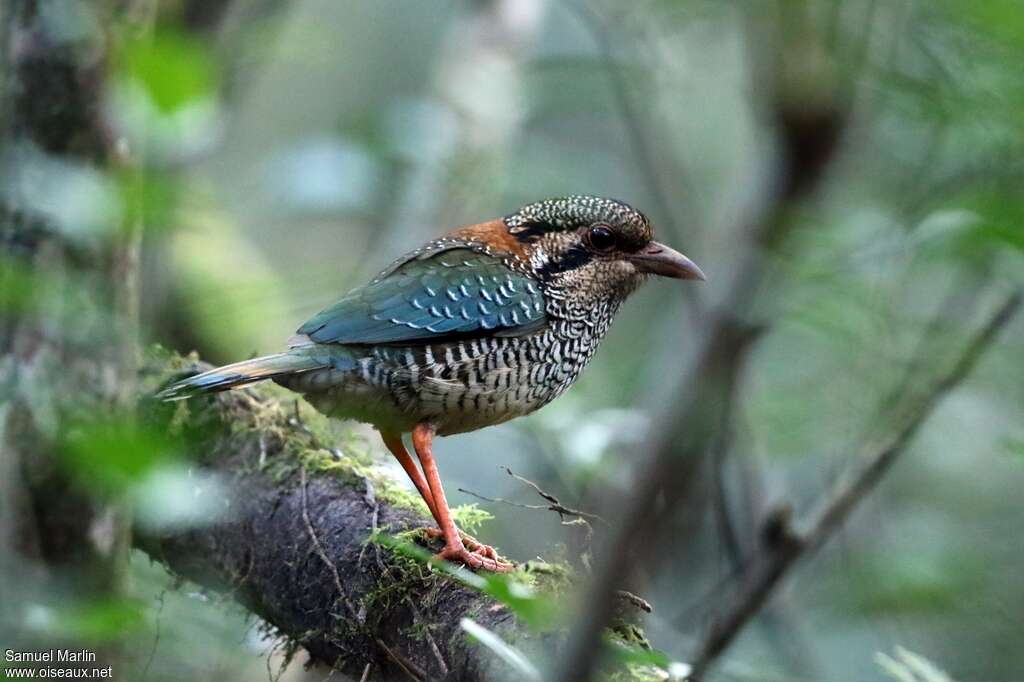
(571, 212)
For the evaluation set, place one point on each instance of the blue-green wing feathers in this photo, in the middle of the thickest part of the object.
(452, 293)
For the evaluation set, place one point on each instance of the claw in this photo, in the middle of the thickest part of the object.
(461, 555)
(492, 561)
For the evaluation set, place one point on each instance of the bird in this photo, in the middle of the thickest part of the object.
(481, 325)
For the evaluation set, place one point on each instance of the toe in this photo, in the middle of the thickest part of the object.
(486, 551)
(473, 560)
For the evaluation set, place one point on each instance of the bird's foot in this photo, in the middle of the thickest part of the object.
(460, 555)
(471, 543)
(471, 552)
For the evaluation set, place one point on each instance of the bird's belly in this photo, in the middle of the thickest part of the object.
(455, 407)
(457, 387)
(485, 383)
(351, 395)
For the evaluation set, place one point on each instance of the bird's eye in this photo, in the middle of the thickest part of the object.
(601, 238)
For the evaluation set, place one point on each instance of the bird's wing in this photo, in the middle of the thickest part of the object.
(454, 292)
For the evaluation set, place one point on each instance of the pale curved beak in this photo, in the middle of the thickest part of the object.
(658, 259)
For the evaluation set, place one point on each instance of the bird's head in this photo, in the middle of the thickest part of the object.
(594, 248)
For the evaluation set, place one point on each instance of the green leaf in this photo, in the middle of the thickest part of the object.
(172, 68)
(19, 286)
(113, 454)
(93, 621)
(502, 649)
(629, 654)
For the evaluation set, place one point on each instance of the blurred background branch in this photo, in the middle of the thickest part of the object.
(784, 542)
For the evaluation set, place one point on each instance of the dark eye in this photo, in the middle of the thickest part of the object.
(601, 238)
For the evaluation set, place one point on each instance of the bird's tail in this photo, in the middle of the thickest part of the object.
(243, 373)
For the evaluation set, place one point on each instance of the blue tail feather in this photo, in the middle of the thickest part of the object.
(243, 373)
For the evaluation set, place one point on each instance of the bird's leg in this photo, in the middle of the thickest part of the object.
(394, 444)
(454, 549)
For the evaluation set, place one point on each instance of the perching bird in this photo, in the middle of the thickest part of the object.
(487, 323)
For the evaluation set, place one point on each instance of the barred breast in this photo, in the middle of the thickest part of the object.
(458, 385)
(465, 385)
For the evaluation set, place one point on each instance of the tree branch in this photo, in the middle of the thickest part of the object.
(788, 545)
(294, 548)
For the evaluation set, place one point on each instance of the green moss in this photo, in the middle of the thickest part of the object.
(553, 579)
(360, 469)
(630, 634)
(470, 517)
(407, 578)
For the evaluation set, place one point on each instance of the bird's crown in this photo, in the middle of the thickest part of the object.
(563, 214)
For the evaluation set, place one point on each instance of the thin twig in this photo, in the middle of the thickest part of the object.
(555, 505)
(270, 655)
(577, 517)
(156, 634)
(636, 600)
(411, 670)
(878, 456)
(502, 500)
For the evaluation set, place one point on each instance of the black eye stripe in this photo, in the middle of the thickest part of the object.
(571, 259)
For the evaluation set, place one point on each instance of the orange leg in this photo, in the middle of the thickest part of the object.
(397, 447)
(454, 549)
(394, 444)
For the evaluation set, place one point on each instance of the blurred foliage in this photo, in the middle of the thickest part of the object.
(907, 666)
(173, 68)
(515, 590)
(540, 594)
(516, 660)
(112, 454)
(92, 623)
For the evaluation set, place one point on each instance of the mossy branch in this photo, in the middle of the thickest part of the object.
(305, 503)
(295, 548)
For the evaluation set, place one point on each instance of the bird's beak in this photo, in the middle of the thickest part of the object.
(659, 259)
